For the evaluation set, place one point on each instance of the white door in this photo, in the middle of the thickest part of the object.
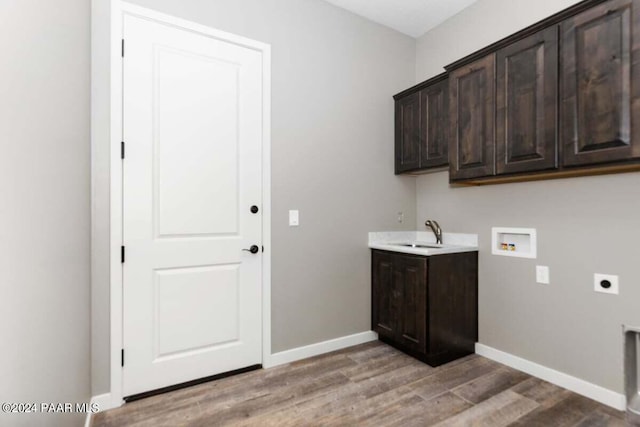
(192, 172)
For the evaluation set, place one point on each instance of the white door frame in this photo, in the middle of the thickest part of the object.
(118, 10)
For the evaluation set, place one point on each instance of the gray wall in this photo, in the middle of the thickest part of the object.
(332, 158)
(585, 226)
(100, 197)
(44, 239)
(477, 26)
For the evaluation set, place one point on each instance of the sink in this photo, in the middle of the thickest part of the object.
(419, 245)
(422, 243)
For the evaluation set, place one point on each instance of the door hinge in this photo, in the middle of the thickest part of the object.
(122, 150)
(123, 48)
(122, 254)
(122, 357)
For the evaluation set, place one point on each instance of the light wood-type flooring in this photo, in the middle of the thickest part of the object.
(369, 385)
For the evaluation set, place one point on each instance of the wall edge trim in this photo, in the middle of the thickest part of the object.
(319, 348)
(104, 402)
(574, 384)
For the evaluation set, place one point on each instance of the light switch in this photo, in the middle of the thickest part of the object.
(294, 218)
(542, 274)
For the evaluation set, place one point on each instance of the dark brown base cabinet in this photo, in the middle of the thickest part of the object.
(426, 306)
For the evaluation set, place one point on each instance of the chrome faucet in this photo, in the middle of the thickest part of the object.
(435, 227)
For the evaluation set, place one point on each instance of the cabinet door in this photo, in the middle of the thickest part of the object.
(408, 133)
(601, 84)
(527, 98)
(411, 274)
(472, 115)
(434, 125)
(453, 303)
(385, 295)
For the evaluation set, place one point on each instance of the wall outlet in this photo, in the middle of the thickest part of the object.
(294, 218)
(542, 274)
(606, 283)
(401, 217)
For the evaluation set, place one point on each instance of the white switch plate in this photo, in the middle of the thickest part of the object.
(613, 280)
(542, 274)
(294, 218)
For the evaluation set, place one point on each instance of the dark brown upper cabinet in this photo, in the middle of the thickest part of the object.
(527, 99)
(434, 125)
(560, 98)
(422, 126)
(472, 119)
(408, 133)
(601, 84)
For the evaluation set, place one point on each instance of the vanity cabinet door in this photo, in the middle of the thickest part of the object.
(407, 145)
(385, 295)
(472, 119)
(600, 76)
(453, 304)
(399, 292)
(527, 98)
(411, 275)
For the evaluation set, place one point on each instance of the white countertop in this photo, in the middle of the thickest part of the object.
(452, 242)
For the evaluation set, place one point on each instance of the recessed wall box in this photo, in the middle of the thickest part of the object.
(514, 242)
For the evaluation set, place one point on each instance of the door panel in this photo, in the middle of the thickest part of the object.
(384, 295)
(527, 82)
(414, 302)
(434, 125)
(407, 133)
(453, 303)
(193, 129)
(209, 295)
(472, 114)
(196, 124)
(600, 91)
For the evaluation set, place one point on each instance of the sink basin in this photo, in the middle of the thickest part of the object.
(419, 245)
(422, 243)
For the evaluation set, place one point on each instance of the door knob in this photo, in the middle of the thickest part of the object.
(254, 209)
(254, 249)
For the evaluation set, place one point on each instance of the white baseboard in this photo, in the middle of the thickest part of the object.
(104, 402)
(307, 351)
(582, 387)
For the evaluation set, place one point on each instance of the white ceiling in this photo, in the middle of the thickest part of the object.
(411, 17)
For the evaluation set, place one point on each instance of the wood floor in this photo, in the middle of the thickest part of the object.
(370, 385)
